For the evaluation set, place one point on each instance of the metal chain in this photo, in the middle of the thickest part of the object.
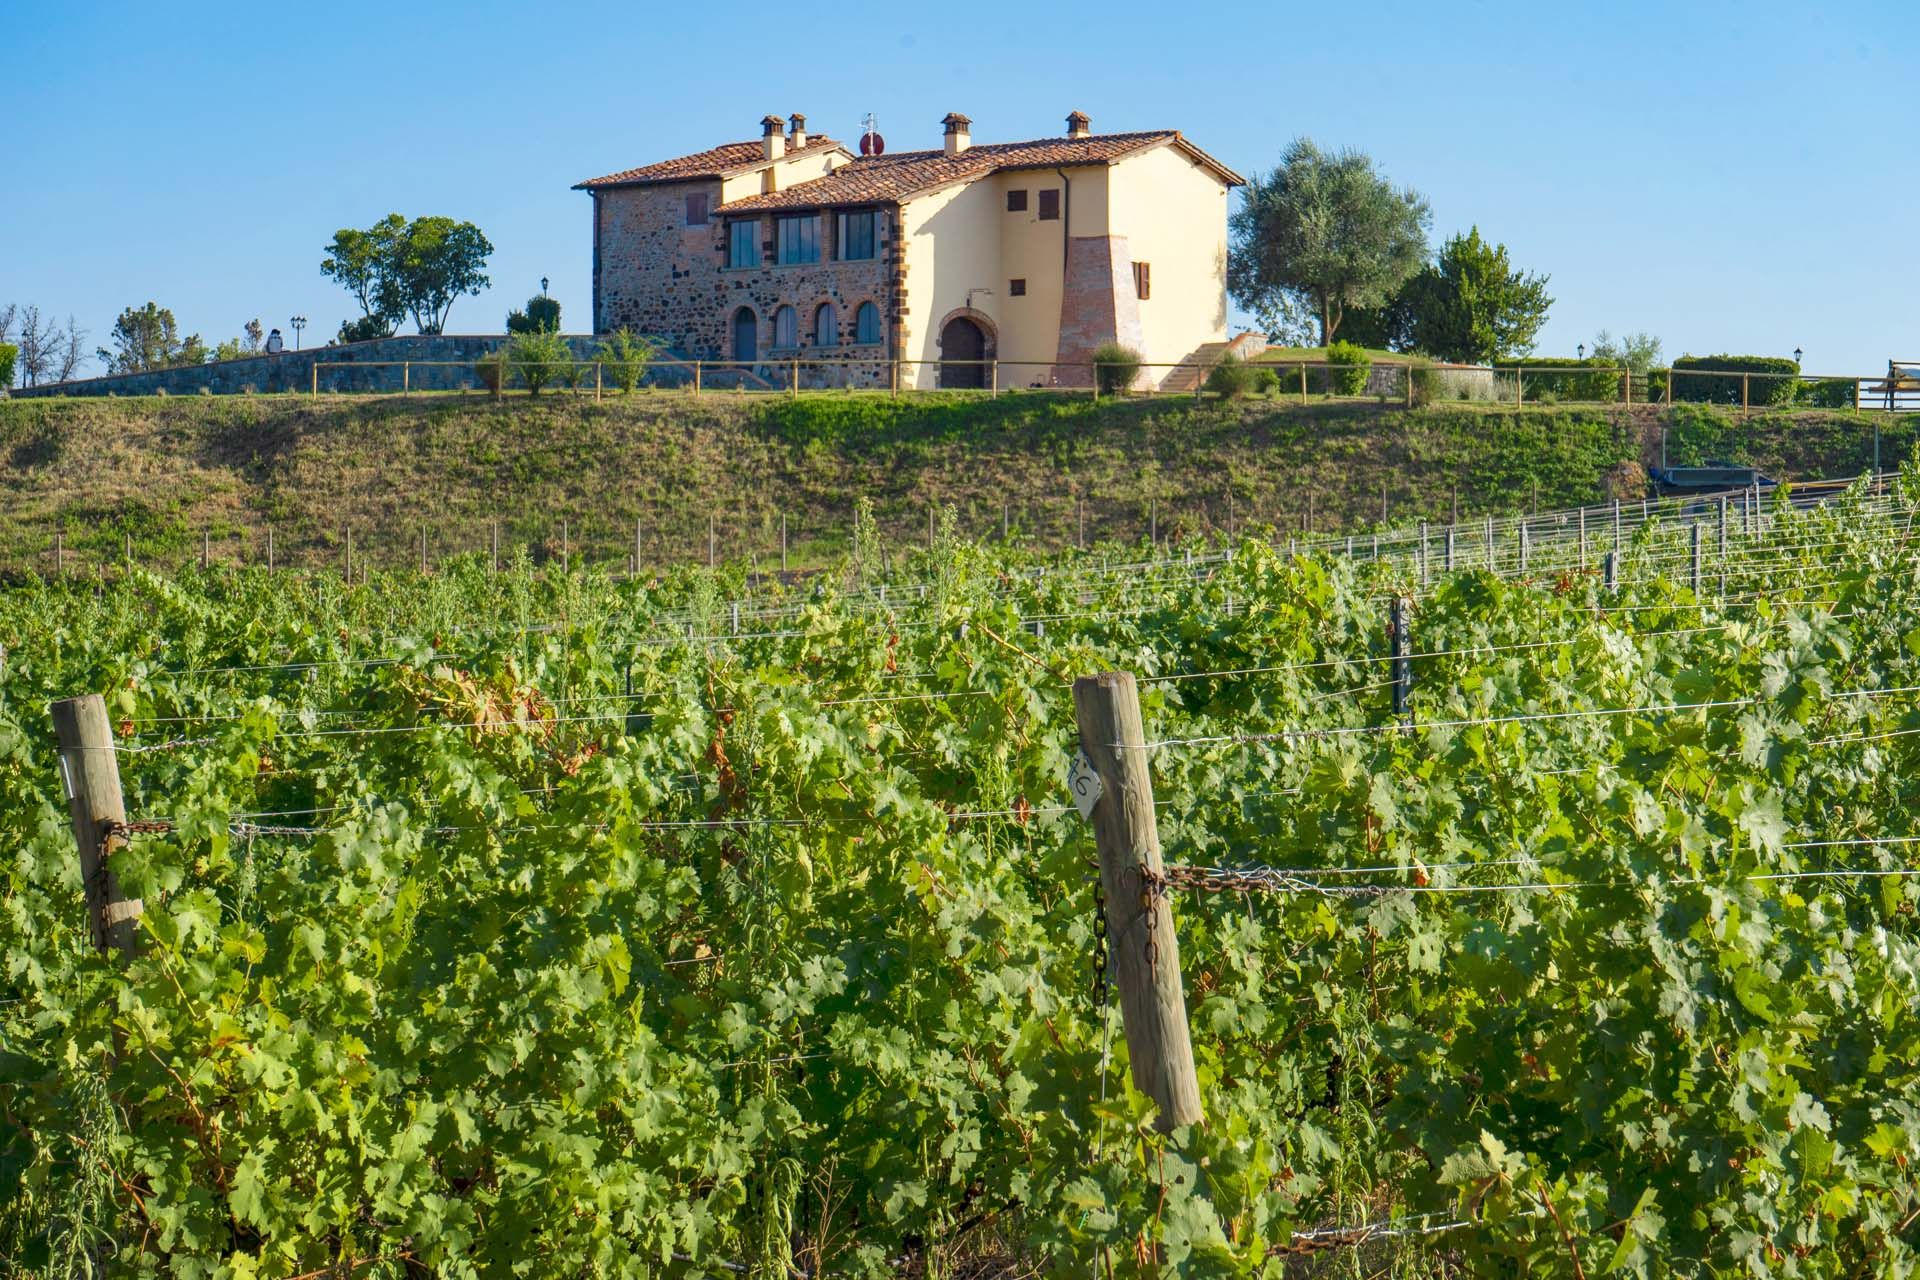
(1153, 894)
(1261, 880)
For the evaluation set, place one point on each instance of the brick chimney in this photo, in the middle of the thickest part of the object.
(1078, 126)
(772, 137)
(797, 132)
(959, 132)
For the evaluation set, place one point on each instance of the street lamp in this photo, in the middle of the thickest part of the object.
(543, 286)
(298, 323)
(1796, 355)
(1580, 349)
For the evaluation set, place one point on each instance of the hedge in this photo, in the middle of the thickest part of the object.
(1781, 387)
(1591, 379)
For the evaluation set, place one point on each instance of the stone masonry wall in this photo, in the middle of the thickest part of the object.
(441, 362)
(660, 277)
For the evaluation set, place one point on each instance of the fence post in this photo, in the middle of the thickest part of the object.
(596, 381)
(1397, 636)
(1303, 382)
(406, 376)
(1153, 1003)
(91, 772)
(993, 379)
(1519, 387)
(314, 368)
(696, 379)
(895, 378)
(783, 542)
(793, 387)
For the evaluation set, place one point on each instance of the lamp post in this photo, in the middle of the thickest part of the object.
(1797, 353)
(298, 323)
(1580, 349)
(543, 286)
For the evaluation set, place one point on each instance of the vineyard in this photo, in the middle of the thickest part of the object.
(529, 922)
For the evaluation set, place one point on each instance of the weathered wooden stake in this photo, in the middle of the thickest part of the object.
(1449, 548)
(349, 555)
(1610, 570)
(495, 562)
(712, 545)
(269, 548)
(1398, 638)
(1696, 557)
(1153, 1004)
(91, 772)
(783, 542)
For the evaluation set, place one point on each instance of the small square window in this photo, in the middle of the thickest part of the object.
(1016, 288)
(697, 209)
(1017, 201)
(1050, 205)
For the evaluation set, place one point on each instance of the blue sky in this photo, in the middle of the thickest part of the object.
(1726, 176)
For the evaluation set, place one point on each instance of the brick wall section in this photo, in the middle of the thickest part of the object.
(658, 276)
(1097, 306)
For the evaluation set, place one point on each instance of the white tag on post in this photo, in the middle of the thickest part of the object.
(1084, 784)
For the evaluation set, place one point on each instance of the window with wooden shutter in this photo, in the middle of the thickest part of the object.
(1143, 280)
(1050, 204)
(1017, 201)
(697, 209)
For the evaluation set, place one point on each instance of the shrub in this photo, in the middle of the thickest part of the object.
(1426, 382)
(1115, 366)
(1349, 364)
(365, 329)
(625, 358)
(539, 360)
(488, 369)
(1265, 380)
(1780, 386)
(9, 354)
(541, 316)
(1233, 377)
(1828, 393)
(1594, 378)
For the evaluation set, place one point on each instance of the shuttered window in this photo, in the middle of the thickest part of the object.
(799, 239)
(786, 328)
(866, 325)
(1050, 204)
(697, 209)
(1017, 201)
(826, 326)
(1016, 288)
(743, 243)
(856, 235)
(1143, 280)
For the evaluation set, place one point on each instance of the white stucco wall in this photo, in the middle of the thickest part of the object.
(963, 222)
(1174, 216)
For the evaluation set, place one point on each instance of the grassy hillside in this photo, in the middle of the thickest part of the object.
(160, 471)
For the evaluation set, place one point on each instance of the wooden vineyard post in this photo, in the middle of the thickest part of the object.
(1695, 549)
(92, 775)
(1153, 1003)
(1400, 640)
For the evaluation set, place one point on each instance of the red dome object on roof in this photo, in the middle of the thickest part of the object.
(872, 144)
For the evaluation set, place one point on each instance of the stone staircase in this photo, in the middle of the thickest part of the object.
(1191, 373)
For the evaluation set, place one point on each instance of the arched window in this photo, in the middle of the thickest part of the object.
(866, 325)
(786, 328)
(826, 326)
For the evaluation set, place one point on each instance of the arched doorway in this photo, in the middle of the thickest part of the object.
(746, 335)
(963, 345)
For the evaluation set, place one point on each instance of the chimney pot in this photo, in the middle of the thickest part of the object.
(772, 137)
(959, 132)
(797, 133)
(1078, 126)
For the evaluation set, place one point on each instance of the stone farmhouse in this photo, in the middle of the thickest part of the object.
(1008, 261)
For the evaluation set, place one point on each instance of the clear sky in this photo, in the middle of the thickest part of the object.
(1728, 176)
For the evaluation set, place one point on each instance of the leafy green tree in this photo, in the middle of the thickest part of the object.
(539, 360)
(541, 316)
(435, 262)
(1329, 228)
(8, 354)
(625, 357)
(1638, 352)
(149, 338)
(365, 262)
(1471, 305)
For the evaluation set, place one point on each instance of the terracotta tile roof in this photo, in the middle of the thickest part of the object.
(714, 162)
(889, 178)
